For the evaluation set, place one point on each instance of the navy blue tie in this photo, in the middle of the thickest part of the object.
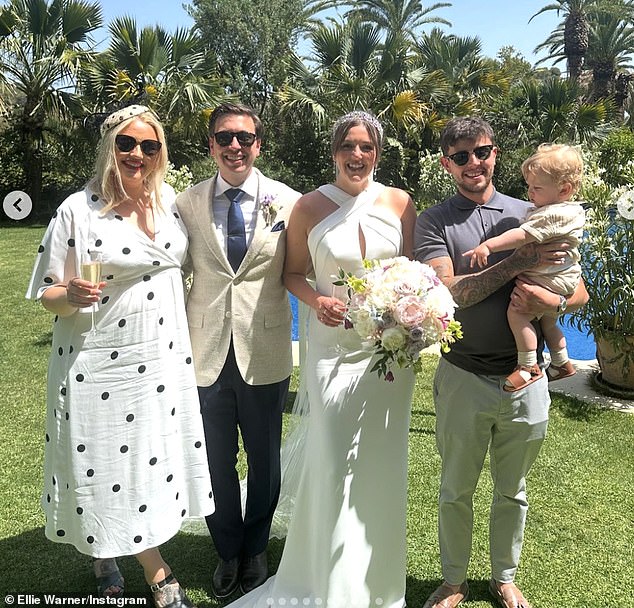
(236, 235)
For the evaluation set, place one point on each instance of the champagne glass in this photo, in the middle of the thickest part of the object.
(91, 271)
(341, 293)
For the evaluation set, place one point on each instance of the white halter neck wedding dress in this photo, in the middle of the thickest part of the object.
(345, 546)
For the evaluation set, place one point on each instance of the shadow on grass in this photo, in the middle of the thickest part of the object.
(422, 422)
(30, 563)
(46, 339)
(576, 409)
(419, 590)
(427, 413)
(194, 557)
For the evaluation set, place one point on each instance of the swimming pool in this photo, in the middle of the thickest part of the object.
(580, 343)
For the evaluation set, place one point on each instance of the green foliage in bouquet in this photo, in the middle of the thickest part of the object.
(399, 307)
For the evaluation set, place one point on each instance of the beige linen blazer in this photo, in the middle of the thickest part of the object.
(250, 304)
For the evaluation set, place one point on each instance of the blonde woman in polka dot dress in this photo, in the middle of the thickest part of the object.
(125, 459)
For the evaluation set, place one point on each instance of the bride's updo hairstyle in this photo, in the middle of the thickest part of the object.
(354, 119)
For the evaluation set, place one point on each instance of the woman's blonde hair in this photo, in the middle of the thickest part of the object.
(107, 179)
(562, 163)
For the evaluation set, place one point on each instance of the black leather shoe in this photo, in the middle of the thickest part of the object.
(225, 579)
(255, 571)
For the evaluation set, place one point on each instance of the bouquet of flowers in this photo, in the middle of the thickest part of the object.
(399, 307)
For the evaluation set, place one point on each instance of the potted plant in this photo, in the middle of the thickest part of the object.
(607, 259)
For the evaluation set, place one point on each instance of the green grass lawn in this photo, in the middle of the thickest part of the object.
(578, 549)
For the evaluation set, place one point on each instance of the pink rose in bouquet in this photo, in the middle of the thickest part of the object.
(399, 307)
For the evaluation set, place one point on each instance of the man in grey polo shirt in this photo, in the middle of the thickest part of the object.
(473, 412)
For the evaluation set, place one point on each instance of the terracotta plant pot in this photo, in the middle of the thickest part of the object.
(616, 361)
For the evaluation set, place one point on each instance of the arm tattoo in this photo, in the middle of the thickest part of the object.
(470, 289)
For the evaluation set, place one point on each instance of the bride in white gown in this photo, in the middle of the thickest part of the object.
(345, 546)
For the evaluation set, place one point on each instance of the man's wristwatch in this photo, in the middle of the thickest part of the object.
(563, 304)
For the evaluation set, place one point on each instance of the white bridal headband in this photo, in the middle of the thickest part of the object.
(362, 116)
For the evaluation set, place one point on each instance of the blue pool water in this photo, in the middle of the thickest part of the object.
(580, 344)
(293, 300)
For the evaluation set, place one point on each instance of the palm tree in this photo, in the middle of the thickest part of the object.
(352, 68)
(7, 23)
(575, 31)
(397, 17)
(345, 77)
(554, 112)
(308, 15)
(572, 38)
(610, 43)
(622, 91)
(537, 111)
(169, 72)
(470, 79)
(399, 21)
(43, 46)
(609, 54)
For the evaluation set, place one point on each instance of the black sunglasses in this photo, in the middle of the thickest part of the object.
(462, 158)
(126, 143)
(224, 138)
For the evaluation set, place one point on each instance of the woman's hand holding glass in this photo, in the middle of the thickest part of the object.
(84, 291)
(81, 293)
(331, 310)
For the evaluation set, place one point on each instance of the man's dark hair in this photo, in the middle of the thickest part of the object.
(464, 127)
(235, 108)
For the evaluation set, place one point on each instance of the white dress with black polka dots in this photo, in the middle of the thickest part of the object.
(125, 458)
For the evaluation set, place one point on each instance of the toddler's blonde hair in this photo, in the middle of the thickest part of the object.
(560, 162)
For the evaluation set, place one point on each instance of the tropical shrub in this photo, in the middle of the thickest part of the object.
(434, 184)
(180, 179)
(607, 259)
(614, 154)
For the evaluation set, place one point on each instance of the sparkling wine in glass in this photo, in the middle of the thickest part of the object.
(91, 271)
(341, 293)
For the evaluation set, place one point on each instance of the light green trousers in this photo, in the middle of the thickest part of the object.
(474, 414)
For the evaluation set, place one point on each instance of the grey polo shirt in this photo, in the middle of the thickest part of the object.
(451, 228)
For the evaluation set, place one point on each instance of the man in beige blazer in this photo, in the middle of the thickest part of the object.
(240, 326)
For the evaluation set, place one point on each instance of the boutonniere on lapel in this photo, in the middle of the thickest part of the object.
(269, 207)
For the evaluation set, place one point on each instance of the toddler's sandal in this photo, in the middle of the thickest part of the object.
(522, 377)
